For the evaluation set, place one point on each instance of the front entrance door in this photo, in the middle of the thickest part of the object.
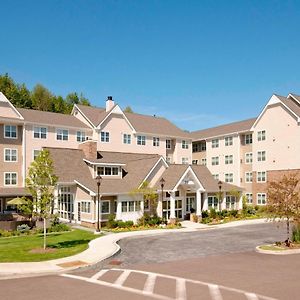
(190, 204)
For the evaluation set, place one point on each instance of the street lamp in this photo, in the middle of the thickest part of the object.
(98, 179)
(220, 194)
(162, 184)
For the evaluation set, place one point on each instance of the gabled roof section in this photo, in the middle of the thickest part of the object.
(6, 104)
(94, 115)
(227, 129)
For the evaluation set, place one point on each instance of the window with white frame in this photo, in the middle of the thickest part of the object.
(36, 153)
(215, 143)
(130, 206)
(229, 177)
(39, 132)
(104, 137)
(215, 161)
(248, 158)
(108, 171)
(212, 202)
(80, 136)
(261, 155)
(216, 176)
(10, 155)
(248, 138)
(228, 141)
(155, 142)
(10, 131)
(184, 144)
(249, 198)
(261, 198)
(230, 202)
(141, 140)
(262, 176)
(105, 207)
(190, 203)
(203, 161)
(86, 207)
(248, 177)
(168, 144)
(127, 138)
(167, 206)
(10, 178)
(65, 203)
(62, 134)
(261, 135)
(228, 159)
(185, 160)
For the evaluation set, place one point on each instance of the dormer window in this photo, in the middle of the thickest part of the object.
(108, 171)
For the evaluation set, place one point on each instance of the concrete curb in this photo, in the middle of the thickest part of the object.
(278, 252)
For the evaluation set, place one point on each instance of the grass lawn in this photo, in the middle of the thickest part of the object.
(17, 249)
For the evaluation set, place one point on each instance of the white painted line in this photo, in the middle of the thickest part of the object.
(149, 284)
(215, 292)
(251, 296)
(121, 279)
(180, 289)
(99, 274)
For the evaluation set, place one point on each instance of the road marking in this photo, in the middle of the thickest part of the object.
(149, 284)
(180, 289)
(251, 296)
(99, 274)
(121, 279)
(215, 292)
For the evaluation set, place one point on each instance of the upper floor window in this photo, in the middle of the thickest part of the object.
(155, 141)
(261, 176)
(203, 161)
(261, 155)
(39, 132)
(108, 171)
(215, 161)
(215, 143)
(104, 137)
(248, 177)
(141, 140)
(168, 144)
(248, 139)
(229, 177)
(228, 159)
(36, 153)
(261, 198)
(216, 176)
(168, 159)
(10, 178)
(195, 162)
(248, 158)
(80, 136)
(10, 155)
(126, 138)
(199, 146)
(62, 134)
(184, 144)
(10, 131)
(228, 141)
(261, 135)
(185, 160)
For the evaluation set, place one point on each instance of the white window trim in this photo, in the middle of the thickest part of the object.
(123, 138)
(257, 198)
(230, 138)
(260, 132)
(33, 152)
(229, 160)
(170, 143)
(261, 156)
(86, 201)
(155, 141)
(248, 163)
(229, 176)
(10, 161)
(246, 181)
(105, 142)
(261, 180)
(217, 143)
(137, 139)
(10, 173)
(39, 126)
(218, 160)
(81, 132)
(105, 213)
(62, 140)
(12, 138)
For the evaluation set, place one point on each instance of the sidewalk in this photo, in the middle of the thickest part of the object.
(99, 249)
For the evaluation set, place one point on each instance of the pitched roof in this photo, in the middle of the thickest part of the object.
(13, 192)
(226, 129)
(94, 114)
(50, 118)
(291, 104)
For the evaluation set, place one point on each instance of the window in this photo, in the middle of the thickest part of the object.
(36, 153)
(104, 137)
(228, 141)
(248, 177)
(86, 207)
(184, 144)
(190, 203)
(249, 198)
(194, 161)
(248, 158)
(65, 203)
(126, 138)
(212, 202)
(196, 147)
(228, 159)
(177, 194)
(10, 131)
(10, 155)
(261, 155)
(105, 207)
(108, 171)
(229, 177)
(185, 160)
(261, 198)
(215, 143)
(80, 136)
(178, 209)
(130, 206)
(62, 134)
(248, 139)
(261, 176)
(10, 178)
(215, 161)
(141, 140)
(39, 132)
(155, 142)
(261, 135)
(230, 202)
(203, 161)
(168, 144)
(216, 176)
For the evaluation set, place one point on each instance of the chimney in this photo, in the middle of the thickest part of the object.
(89, 149)
(110, 103)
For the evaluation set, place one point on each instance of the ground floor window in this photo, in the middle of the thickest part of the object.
(105, 206)
(230, 202)
(190, 204)
(130, 206)
(86, 207)
(212, 202)
(167, 209)
(249, 198)
(65, 203)
(261, 198)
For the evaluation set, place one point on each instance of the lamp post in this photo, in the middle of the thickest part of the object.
(220, 194)
(98, 179)
(162, 184)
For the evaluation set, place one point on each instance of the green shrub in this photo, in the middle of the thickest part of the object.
(296, 234)
(206, 220)
(146, 219)
(112, 223)
(233, 213)
(204, 214)
(212, 213)
(24, 228)
(59, 227)
(5, 233)
(124, 224)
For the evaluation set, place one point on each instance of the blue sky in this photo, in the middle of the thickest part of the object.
(198, 63)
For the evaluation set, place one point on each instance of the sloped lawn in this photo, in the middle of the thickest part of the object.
(28, 248)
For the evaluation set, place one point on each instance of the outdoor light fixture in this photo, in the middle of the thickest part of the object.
(220, 194)
(98, 179)
(162, 184)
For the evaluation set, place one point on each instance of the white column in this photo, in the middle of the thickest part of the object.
(198, 203)
(142, 206)
(119, 210)
(205, 201)
(159, 205)
(224, 201)
(172, 205)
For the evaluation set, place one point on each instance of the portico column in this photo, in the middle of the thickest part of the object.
(159, 206)
(205, 201)
(142, 206)
(224, 201)
(119, 210)
(198, 203)
(172, 206)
